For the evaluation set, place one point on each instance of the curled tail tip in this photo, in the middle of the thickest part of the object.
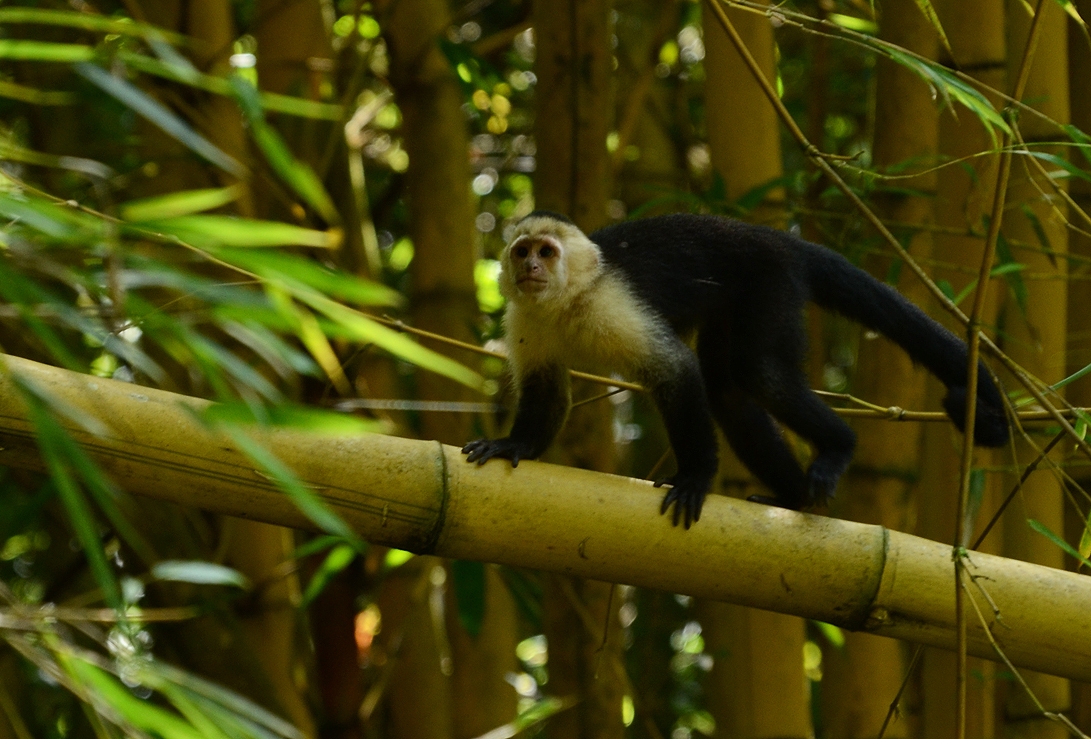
(990, 425)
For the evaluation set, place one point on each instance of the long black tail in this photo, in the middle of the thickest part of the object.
(838, 285)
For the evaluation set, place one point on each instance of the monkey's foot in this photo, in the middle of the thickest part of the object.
(482, 450)
(687, 494)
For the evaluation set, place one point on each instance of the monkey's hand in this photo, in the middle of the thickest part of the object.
(687, 493)
(482, 450)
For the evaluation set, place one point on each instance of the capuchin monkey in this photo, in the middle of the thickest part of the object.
(617, 302)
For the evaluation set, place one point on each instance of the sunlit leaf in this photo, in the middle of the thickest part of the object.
(182, 203)
(295, 173)
(85, 21)
(314, 420)
(220, 86)
(284, 269)
(832, 634)
(399, 344)
(44, 51)
(216, 230)
(337, 560)
(309, 331)
(853, 23)
(154, 111)
(199, 572)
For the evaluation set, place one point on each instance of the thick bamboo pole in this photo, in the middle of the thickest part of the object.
(422, 496)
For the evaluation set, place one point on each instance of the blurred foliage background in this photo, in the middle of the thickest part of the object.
(253, 201)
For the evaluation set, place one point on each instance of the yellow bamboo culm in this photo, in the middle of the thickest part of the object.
(422, 496)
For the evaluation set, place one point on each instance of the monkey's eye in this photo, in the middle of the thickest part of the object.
(521, 252)
(546, 251)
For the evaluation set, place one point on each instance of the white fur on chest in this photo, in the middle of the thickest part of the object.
(605, 330)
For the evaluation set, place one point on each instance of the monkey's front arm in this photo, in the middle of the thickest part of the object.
(544, 399)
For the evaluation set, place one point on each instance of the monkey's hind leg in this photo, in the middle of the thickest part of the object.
(759, 444)
(784, 392)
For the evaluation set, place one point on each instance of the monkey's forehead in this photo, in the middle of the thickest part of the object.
(544, 225)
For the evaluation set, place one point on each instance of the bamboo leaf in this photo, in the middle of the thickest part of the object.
(315, 420)
(284, 269)
(399, 344)
(1084, 549)
(337, 560)
(296, 174)
(86, 22)
(219, 700)
(158, 114)
(930, 13)
(1043, 239)
(213, 230)
(1045, 531)
(220, 86)
(1015, 280)
(308, 502)
(34, 96)
(141, 714)
(52, 439)
(1069, 169)
(200, 573)
(45, 51)
(1070, 8)
(183, 203)
(1072, 378)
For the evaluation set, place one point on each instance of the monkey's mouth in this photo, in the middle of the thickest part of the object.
(531, 284)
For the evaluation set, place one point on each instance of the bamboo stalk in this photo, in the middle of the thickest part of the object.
(422, 496)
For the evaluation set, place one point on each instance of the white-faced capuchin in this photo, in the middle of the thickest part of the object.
(616, 302)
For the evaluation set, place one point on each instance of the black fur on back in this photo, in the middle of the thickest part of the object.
(755, 279)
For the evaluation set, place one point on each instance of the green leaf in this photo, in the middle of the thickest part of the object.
(53, 444)
(182, 203)
(832, 634)
(199, 573)
(158, 114)
(309, 503)
(1084, 549)
(399, 344)
(1072, 378)
(285, 270)
(220, 86)
(43, 51)
(1068, 169)
(1045, 531)
(139, 713)
(930, 14)
(338, 559)
(34, 96)
(1040, 232)
(948, 87)
(86, 22)
(218, 701)
(1082, 140)
(1015, 280)
(314, 420)
(213, 230)
(59, 222)
(468, 579)
(296, 174)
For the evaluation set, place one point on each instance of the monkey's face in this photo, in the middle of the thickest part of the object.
(536, 264)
